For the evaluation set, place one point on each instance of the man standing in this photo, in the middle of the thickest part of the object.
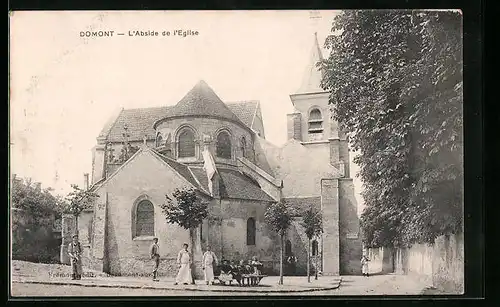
(74, 252)
(184, 263)
(209, 261)
(154, 251)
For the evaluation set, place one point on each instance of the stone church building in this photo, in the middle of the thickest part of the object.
(143, 154)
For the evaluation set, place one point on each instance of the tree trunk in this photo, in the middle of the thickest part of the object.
(281, 259)
(76, 226)
(316, 269)
(192, 242)
(308, 260)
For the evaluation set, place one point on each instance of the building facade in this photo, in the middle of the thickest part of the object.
(144, 154)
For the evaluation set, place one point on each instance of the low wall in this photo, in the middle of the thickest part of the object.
(33, 238)
(381, 260)
(440, 265)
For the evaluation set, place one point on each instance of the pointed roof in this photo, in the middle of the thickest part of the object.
(311, 79)
(201, 100)
(140, 121)
(245, 110)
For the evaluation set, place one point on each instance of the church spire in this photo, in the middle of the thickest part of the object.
(311, 79)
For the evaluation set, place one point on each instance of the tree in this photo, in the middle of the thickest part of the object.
(188, 210)
(33, 216)
(395, 82)
(279, 219)
(79, 200)
(37, 202)
(313, 225)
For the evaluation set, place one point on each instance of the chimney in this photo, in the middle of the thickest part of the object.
(86, 181)
(38, 186)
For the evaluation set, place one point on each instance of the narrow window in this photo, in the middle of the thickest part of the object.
(243, 146)
(223, 149)
(186, 146)
(315, 121)
(145, 223)
(251, 231)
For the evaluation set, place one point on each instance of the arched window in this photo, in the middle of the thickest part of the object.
(186, 146)
(243, 146)
(223, 149)
(251, 231)
(314, 248)
(159, 140)
(315, 121)
(288, 248)
(145, 219)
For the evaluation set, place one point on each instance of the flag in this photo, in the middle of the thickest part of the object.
(209, 167)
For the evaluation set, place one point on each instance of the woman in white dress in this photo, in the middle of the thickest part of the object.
(364, 265)
(209, 260)
(184, 261)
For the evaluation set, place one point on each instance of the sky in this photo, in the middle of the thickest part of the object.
(64, 87)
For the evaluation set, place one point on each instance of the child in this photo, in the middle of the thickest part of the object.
(257, 265)
(226, 274)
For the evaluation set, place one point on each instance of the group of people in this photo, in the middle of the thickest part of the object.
(232, 270)
(226, 271)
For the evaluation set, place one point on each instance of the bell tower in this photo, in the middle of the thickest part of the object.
(312, 123)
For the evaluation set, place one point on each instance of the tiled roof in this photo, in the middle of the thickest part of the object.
(300, 204)
(182, 169)
(235, 185)
(139, 121)
(245, 110)
(201, 100)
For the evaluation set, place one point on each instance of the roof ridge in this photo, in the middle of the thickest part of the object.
(114, 123)
(164, 158)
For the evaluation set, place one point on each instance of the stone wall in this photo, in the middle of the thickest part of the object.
(440, 264)
(233, 232)
(330, 210)
(145, 177)
(303, 179)
(381, 261)
(350, 242)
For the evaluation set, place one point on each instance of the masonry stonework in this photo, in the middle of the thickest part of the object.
(330, 209)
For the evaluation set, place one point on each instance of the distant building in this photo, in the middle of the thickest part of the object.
(143, 154)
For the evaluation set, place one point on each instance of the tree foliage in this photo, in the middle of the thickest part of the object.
(79, 200)
(37, 202)
(313, 225)
(278, 217)
(312, 222)
(188, 210)
(395, 82)
(32, 237)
